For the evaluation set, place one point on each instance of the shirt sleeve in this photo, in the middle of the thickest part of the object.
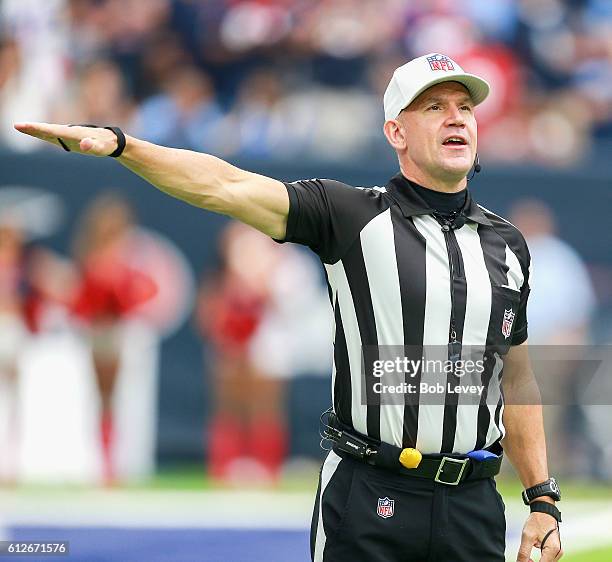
(327, 215)
(520, 330)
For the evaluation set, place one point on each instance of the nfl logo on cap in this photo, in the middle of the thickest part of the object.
(440, 62)
(414, 77)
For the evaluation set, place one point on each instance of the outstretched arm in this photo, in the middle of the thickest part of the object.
(199, 179)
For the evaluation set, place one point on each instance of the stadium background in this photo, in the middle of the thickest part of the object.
(292, 89)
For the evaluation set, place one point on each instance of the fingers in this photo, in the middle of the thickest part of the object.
(96, 147)
(94, 141)
(551, 546)
(552, 551)
(45, 130)
(527, 542)
(87, 144)
(549, 554)
(26, 128)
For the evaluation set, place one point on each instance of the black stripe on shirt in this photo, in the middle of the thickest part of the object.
(353, 262)
(410, 254)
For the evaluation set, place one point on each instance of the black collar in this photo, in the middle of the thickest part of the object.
(411, 204)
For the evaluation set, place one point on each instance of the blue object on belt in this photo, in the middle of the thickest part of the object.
(481, 455)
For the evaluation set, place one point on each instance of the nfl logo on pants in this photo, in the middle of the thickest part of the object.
(385, 507)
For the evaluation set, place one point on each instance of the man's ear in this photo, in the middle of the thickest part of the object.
(395, 134)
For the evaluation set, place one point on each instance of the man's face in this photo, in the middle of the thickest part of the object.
(441, 132)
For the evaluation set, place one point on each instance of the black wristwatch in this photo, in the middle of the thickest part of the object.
(549, 488)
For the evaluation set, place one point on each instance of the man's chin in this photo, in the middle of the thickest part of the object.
(455, 172)
(456, 169)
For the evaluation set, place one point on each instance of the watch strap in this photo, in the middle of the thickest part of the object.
(549, 488)
(545, 507)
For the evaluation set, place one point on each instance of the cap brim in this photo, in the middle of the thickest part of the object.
(477, 87)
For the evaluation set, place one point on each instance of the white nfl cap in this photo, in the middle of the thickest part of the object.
(416, 76)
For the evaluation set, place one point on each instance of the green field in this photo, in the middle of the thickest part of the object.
(600, 555)
(580, 499)
(194, 478)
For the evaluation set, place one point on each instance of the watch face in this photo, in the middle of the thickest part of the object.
(554, 486)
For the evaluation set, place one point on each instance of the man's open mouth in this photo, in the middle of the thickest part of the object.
(455, 141)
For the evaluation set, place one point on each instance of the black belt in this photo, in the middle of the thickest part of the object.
(449, 470)
(444, 469)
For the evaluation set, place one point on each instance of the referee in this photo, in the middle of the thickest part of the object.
(424, 282)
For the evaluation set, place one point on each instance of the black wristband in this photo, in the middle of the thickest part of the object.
(121, 142)
(545, 507)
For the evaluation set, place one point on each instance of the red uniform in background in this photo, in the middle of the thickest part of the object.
(233, 315)
(110, 289)
(247, 436)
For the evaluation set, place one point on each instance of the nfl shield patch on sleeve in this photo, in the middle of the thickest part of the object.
(507, 322)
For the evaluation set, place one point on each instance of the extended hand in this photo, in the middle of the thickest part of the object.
(84, 140)
(537, 526)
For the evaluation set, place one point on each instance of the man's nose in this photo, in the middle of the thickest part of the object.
(455, 116)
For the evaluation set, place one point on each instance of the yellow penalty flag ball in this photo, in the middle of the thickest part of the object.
(410, 458)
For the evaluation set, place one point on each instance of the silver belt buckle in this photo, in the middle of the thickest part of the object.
(462, 462)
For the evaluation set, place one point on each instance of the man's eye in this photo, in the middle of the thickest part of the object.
(435, 106)
(467, 107)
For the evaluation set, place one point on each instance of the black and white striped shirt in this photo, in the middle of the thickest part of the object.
(398, 277)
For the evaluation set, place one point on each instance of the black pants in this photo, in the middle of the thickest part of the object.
(367, 514)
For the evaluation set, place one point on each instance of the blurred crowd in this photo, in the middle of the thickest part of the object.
(80, 335)
(281, 78)
(77, 314)
(256, 79)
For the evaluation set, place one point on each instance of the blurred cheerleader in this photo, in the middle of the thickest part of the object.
(111, 289)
